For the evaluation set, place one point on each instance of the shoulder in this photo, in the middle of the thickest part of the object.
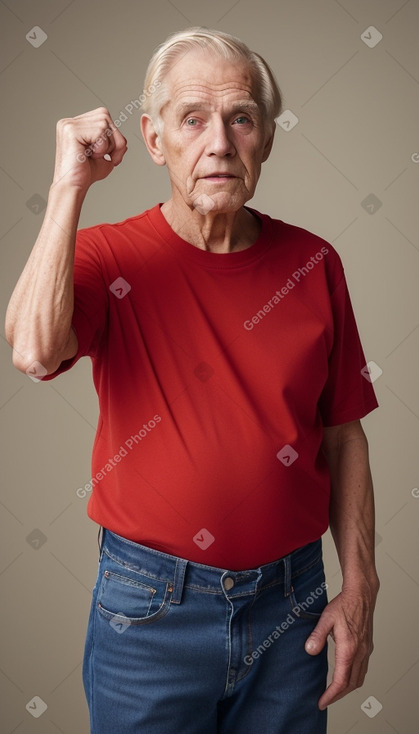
(301, 248)
(107, 240)
(114, 229)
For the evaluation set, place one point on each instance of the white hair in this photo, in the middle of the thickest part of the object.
(178, 44)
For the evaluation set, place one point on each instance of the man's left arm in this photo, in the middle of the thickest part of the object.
(348, 617)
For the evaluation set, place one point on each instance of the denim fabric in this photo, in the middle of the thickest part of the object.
(175, 647)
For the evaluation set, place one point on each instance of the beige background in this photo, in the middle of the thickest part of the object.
(357, 135)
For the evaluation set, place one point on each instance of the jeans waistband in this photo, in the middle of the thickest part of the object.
(179, 572)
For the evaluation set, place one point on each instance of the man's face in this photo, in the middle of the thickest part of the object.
(214, 137)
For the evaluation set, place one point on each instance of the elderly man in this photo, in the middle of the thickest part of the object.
(228, 368)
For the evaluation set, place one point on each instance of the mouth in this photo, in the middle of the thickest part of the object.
(219, 177)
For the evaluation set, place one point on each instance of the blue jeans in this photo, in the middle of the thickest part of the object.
(175, 647)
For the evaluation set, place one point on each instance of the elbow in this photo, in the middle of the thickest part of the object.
(34, 365)
(31, 354)
(22, 358)
(19, 360)
(35, 362)
(39, 360)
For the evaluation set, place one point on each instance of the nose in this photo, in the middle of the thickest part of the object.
(219, 140)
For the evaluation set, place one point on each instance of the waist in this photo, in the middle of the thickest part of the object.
(179, 571)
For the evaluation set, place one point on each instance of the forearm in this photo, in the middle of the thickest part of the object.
(38, 320)
(349, 616)
(352, 515)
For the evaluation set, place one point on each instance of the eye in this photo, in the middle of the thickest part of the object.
(191, 121)
(242, 120)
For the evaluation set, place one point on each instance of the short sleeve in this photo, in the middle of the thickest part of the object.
(91, 298)
(347, 395)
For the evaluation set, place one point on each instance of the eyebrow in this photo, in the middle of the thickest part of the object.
(241, 106)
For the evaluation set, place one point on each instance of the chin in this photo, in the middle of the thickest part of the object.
(220, 202)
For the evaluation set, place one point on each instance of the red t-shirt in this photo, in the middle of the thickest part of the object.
(215, 375)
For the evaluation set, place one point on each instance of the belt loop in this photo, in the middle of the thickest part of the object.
(287, 575)
(178, 580)
(100, 538)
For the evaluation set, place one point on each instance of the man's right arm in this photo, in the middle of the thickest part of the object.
(38, 320)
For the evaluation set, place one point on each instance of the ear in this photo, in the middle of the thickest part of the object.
(152, 140)
(268, 146)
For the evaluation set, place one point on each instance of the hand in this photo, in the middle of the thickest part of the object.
(348, 619)
(82, 143)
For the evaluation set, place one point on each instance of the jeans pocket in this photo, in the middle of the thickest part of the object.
(127, 597)
(308, 595)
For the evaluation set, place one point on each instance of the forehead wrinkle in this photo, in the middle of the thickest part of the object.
(197, 86)
(201, 90)
(195, 95)
(196, 104)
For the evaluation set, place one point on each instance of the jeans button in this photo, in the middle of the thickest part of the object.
(228, 583)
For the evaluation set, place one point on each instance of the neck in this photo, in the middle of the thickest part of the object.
(221, 232)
